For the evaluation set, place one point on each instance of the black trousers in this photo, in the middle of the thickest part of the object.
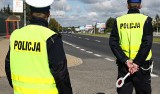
(141, 80)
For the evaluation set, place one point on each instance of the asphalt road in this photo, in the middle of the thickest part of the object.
(97, 74)
(101, 45)
(156, 57)
(94, 76)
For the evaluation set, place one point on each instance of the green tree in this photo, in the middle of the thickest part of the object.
(73, 28)
(54, 25)
(4, 9)
(59, 27)
(109, 24)
(157, 22)
(157, 17)
(8, 10)
(1, 11)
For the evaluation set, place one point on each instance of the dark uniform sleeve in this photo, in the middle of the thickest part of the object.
(146, 45)
(58, 64)
(7, 68)
(115, 46)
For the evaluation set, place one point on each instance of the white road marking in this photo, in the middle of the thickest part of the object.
(154, 75)
(97, 55)
(73, 45)
(65, 42)
(70, 44)
(109, 59)
(89, 52)
(87, 38)
(82, 49)
(77, 47)
(86, 51)
(97, 41)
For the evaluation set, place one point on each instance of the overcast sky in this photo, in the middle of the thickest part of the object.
(81, 12)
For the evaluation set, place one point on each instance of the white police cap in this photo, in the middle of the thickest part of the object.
(39, 3)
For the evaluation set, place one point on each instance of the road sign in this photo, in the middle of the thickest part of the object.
(18, 6)
(101, 25)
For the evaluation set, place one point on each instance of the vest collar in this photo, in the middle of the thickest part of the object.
(39, 21)
(133, 10)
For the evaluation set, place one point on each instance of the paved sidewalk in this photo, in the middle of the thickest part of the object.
(4, 85)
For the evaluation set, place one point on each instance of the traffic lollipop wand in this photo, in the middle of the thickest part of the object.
(121, 80)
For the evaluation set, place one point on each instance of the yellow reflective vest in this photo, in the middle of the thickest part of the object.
(130, 30)
(30, 71)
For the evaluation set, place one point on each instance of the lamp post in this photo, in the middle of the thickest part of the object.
(94, 27)
(24, 9)
(157, 28)
(58, 27)
(157, 19)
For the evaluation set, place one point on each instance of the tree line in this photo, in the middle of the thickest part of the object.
(6, 10)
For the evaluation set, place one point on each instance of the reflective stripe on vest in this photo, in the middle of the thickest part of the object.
(34, 91)
(29, 61)
(130, 30)
(33, 80)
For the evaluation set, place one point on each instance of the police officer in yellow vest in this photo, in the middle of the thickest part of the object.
(36, 61)
(131, 41)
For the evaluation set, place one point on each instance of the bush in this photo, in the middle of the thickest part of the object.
(108, 30)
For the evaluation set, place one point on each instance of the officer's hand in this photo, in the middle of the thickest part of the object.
(134, 68)
(129, 64)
